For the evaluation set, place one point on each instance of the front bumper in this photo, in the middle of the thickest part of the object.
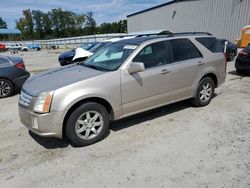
(47, 125)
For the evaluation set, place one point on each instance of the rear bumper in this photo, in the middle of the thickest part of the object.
(47, 125)
(242, 64)
(20, 80)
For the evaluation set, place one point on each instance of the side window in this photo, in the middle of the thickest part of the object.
(184, 49)
(154, 55)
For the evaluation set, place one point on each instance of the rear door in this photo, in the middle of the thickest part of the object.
(186, 66)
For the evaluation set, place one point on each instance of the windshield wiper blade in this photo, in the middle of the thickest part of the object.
(95, 67)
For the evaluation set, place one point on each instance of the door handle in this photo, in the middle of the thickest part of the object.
(165, 71)
(200, 63)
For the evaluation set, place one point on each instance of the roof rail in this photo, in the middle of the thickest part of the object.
(191, 33)
(150, 33)
(165, 32)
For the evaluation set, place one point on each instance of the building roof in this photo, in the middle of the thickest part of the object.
(9, 31)
(158, 6)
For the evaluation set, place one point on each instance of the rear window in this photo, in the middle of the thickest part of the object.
(211, 43)
(184, 49)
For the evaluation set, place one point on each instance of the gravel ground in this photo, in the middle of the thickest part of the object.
(174, 146)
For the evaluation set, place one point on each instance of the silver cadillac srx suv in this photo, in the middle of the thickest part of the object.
(124, 78)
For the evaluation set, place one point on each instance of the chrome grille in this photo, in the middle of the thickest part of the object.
(25, 99)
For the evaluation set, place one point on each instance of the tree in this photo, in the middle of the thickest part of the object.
(25, 25)
(114, 27)
(3, 24)
(37, 16)
(90, 24)
(58, 23)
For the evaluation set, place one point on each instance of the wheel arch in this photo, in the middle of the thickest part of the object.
(98, 100)
(213, 77)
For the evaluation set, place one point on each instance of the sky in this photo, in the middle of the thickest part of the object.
(104, 10)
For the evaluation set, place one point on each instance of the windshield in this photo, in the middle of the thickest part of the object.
(109, 58)
(98, 46)
(87, 46)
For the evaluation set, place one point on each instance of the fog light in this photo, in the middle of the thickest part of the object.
(35, 123)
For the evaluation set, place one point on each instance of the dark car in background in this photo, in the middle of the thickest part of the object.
(66, 57)
(231, 49)
(12, 75)
(242, 62)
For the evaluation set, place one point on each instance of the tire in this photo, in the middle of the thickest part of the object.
(231, 56)
(6, 88)
(87, 124)
(204, 92)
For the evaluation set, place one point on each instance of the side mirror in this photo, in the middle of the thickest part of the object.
(135, 67)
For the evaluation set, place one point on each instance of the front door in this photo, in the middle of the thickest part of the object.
(150, 88)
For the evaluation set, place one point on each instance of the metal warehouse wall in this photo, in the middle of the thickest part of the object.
(223, 18)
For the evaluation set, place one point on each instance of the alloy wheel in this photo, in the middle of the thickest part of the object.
(89, 125)
(5, 88)
(206, 92)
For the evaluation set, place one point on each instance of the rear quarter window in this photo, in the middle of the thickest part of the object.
(184, 49)
(211, 43)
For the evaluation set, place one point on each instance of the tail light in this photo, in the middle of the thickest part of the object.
(20, 65)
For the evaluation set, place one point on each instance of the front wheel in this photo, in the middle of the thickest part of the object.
(204, 92)
(87, 124)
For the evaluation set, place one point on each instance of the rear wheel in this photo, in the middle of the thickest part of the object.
(6, 88)
(87, 124)
(204, 92)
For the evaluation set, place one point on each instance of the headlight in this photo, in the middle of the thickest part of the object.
(43, 102)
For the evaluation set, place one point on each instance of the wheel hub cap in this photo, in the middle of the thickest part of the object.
(205, 93)
(4, 88)
(89, 125)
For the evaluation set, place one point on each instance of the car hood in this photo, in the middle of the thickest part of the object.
(58, 78)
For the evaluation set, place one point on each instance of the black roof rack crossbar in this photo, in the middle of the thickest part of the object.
(192, 33)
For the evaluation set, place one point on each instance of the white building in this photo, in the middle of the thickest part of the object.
(223, 18)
